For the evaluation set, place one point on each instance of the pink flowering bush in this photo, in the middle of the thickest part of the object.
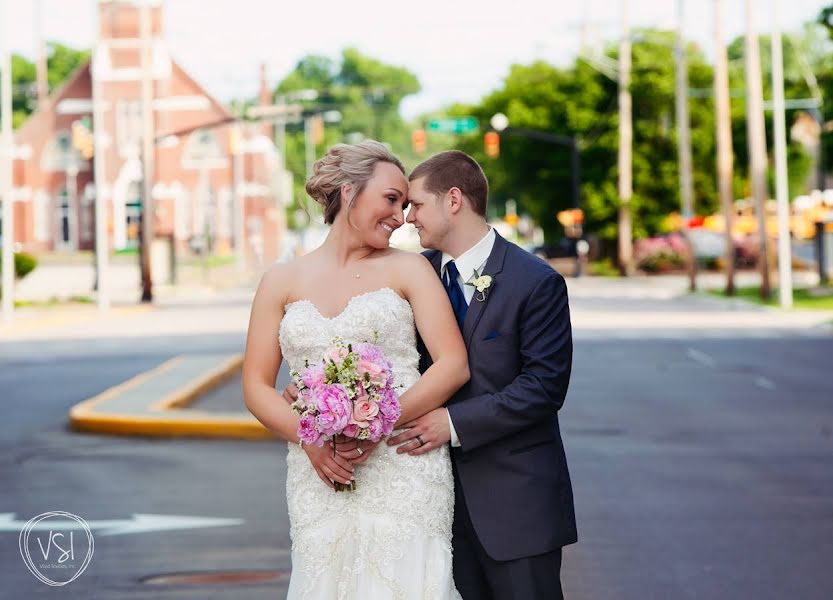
(660, 254)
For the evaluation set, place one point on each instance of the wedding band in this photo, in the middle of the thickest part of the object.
(359, 450)
(420, 440)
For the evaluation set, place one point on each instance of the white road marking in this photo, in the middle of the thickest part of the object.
(700, 357)
(138, 523)
(764, 383)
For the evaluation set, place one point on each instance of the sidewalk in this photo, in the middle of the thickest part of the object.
(650, 306)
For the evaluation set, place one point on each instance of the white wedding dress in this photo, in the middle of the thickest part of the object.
(391, 537)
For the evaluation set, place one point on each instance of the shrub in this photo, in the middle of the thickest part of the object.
(23, 264)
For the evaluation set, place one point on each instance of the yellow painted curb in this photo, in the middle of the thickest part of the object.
(211, 425)
(170, 422)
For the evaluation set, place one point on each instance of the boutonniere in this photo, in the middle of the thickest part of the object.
(481, 283)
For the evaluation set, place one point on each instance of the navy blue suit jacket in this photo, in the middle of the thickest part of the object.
(511, 462)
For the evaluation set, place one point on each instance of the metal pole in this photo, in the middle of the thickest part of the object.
(785, 287)
(309, 146)
(724, 144)
(148, 147)
(71, 180)
(41, 73)
(576, 168)
(625, 148)
(102, 245)
(756, 141)
(684, 143)
(6, 158)
(239, 199)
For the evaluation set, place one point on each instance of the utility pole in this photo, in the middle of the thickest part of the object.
(102, 244)
(239, 197)
(625, 148)
(42, 70)
(6, 158)
(785, 288)
(148, 147)
(684, 143)
(724, 144)
(756, 141)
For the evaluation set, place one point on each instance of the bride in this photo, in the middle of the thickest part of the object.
(391, 537)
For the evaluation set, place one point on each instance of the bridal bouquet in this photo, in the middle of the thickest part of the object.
(349, 393)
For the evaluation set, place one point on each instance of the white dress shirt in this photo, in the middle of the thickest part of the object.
(473, 259)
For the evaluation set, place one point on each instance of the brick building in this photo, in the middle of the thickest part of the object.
(193, 177)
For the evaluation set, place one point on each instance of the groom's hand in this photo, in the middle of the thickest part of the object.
(428, 432)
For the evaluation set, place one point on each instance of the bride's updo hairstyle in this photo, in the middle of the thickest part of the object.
(346, 164)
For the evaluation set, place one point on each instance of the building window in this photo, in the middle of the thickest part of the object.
(58, 154)
(128, 127)
(63, 236)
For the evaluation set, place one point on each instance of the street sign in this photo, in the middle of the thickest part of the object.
(453, 125)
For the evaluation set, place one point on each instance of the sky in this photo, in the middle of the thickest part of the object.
(459, 49)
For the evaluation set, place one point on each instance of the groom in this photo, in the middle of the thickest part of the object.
(513, 499)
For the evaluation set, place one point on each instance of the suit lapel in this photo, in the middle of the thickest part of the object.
(436, 261)
(494, 265)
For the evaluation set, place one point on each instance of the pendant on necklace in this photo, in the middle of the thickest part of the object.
(358, 276)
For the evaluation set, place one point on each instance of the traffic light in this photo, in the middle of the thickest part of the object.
(82, 138)
(491, 142)
(317, 124)
(419, 141)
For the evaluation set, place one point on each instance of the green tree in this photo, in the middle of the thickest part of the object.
(62, 61)
(367, 93)
(582, 103)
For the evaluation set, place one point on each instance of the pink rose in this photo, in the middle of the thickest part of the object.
(365, 410)
(337, 354)
(374, 370)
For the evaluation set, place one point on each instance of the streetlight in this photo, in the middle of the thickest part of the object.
(499, 122)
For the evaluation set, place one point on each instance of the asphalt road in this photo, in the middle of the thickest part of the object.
(701, 467)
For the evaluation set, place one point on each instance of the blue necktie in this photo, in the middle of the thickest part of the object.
(455, 294)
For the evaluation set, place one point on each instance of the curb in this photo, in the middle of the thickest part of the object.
(66, 317)
(166, 417)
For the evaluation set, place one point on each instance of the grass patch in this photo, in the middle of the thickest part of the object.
(54, 301)
(604, 268)
(803, 298)
(211, 261)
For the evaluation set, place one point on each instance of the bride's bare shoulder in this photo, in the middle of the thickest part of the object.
(404, 258)
(276, 280)
(409, 268)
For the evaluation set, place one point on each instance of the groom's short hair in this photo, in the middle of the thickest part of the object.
(453, 168)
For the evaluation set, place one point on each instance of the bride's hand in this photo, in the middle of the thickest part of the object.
(290, 393)
(329, 466)
(356, 451)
